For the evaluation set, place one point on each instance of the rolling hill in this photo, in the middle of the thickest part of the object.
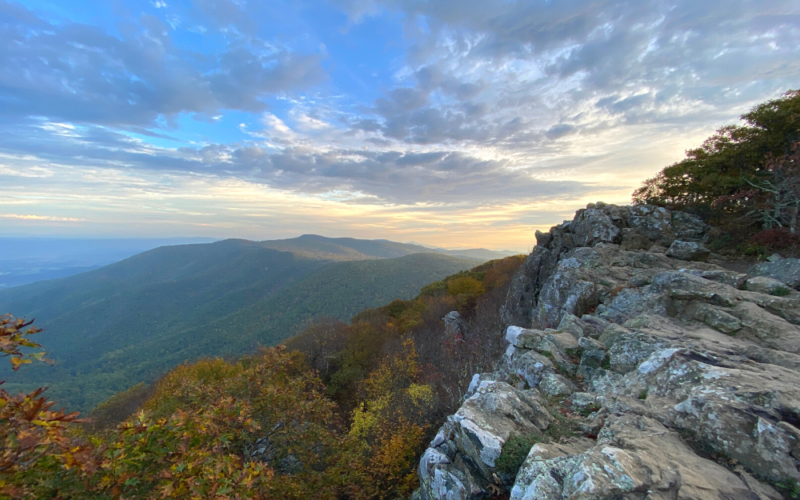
(131, 321)
(353, 249)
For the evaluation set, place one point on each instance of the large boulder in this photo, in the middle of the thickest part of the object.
(785, 270)
(765, 284)
(633, 457)
(487, 419)
(741, 411)
(453, 325)
(461, 460)
(688, 250)
(593, 226)
(654, 223)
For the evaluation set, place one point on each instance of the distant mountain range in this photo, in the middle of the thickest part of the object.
(26, 260)
(353, 249)
(112, 327)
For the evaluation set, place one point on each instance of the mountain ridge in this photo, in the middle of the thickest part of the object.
(113, 327)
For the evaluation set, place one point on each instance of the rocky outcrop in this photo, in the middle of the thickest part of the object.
(453, 325)
(639, 366)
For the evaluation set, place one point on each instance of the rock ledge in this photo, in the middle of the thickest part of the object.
(639, 366)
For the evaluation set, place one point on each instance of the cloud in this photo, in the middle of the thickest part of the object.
(488, 107)
(506, 73)
(79, 73)
(226, 13)
(41, 218)
(386, 176)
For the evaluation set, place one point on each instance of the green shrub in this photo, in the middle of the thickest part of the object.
(790, 488)
(753, 249)
(514, 452)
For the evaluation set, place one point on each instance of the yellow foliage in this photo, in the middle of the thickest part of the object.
(367, 416)
(397, 373)
(393, 463)
(465, 285)
(421, 395)
(390, 423)
(171, 389)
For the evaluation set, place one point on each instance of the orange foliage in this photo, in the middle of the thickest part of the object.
(30, 430)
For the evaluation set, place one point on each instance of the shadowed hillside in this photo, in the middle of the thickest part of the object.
(128, 322)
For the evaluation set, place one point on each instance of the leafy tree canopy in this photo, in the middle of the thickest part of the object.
(729, 161)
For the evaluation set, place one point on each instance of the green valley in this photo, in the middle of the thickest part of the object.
(132, 321)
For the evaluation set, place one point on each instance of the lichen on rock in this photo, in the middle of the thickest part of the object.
(641, 365)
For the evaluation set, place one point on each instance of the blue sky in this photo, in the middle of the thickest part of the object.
(450, 123)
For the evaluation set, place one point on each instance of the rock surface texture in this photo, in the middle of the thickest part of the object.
(638, 367)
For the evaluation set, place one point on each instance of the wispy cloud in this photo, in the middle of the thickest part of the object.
(414, 120)
(40, 218)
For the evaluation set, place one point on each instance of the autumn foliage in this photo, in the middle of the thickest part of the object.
(344, 412)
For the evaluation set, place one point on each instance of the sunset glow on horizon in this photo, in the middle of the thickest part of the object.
(444, 123)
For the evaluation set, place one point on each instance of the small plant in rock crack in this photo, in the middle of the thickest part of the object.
(590, 408)
(643, 394)
(515, 450)
(790, 488)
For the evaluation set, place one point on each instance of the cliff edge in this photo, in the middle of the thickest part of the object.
(638, 367)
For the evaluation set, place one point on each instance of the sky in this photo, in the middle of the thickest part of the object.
(450, 123)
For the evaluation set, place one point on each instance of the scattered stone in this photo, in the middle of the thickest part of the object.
(718, 319)
(584, 402)
(530, 339)
(593, 226)
(592, 359)
(736, 280)
(588, 343)
(553, 385)
(639, 280)
(688, 227)
(774, 258)
(572, 324)
(531, 366)
(633, 239)
(688, 250)
(565, 341)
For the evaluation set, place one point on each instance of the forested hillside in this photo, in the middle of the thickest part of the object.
(129, 322)
(353, 249)
(342, 411)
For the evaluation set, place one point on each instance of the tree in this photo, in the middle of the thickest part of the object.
(728, 162)
(391, 422)
(780, 187)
